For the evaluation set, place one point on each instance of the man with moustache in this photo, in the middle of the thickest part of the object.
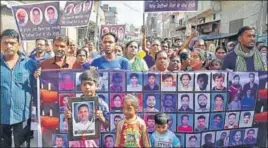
(245, 56)
(110, 60)
(39, 54)
(217, 122)
(18, 90)
(185, 99)
(161, 62)
(202, 103)
(150, 101)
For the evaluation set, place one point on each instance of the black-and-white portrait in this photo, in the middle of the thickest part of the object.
(246, 118)
(202, 81)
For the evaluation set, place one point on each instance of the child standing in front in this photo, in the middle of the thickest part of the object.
(131, 131)
(162, 137)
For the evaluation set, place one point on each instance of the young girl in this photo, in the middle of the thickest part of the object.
(131, 131)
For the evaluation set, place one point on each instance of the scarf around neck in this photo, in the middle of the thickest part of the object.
(241, 64)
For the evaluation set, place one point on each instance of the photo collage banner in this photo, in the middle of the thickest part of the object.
(205, 108)
(118, 30)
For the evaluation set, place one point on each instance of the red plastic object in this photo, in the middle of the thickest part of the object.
(48, 96)
(261, 117)
(49, 122)
(263, 94)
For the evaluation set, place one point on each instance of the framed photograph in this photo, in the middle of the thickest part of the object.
(104, 100)
(202, 81)
(208, 139)
(169, 102)
(60, 140)
(193, 140)
(231, 120)
(186, 81)
(246, 119)
(150, 122)
(108, 140)
(104, 82)
(186, 102)
(181, 138)
(172, 118)
(66, 81)
(63, 124)
(83, 122)
(168, 81)
(116, 102)
(236, 137)
(151, 102)
(117, 82)
(216, 121)
(114, 119)
(202, 102)
(63, 100)
(219, 81)
(185, 123)
(151, 81)
(251, 135)
(222, 138)
(134, 81)
(201, 122)
(218, 102)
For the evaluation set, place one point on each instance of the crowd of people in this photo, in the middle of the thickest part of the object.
(19, 71)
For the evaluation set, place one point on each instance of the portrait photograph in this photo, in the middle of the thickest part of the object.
(63, 124)
(234, 102)
(150, 122)
(116, 102)
(168, 82)
(201, 122)
(151, 102)
(181, 138)
(193, 140)
(63, 101)
(185, 102)
(117, 81)
(105, 30)
(104, 82)
(236, 137)
(216, 121)
(169, 102)
(202, 81)
(104, 100)
(114, 30)
(246, 119)
(66, 81)
(202, 102)
(134, 82)
(208, 139)
(51, 15)
(114, 119)
(69, 9)
(186, 81)
(87, 6)
(222, 138)
(250, 137)
(218, 102)
(248, 101)
(22, 17)
(185, 123)
(151, 81)
(77, 8)
(60, 140)
(121, 33)
(219, 81)
(77, 81)
(231, 120)
(172, 119)
(108, 140)
(36, 15)
(83, 122)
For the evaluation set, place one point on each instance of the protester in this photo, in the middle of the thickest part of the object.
(81, 59)
(220, 52)
(161, 62)
(131, 131)
(150, 58)
(40, 54)
(215, 64)
(110, 60)
(18, 90)
(119, 49)
(245, 56)
(72, 48)
(174, 65)
(164, 46)
(49, 49)
(230, 46)
(137, 63)
(92, 53)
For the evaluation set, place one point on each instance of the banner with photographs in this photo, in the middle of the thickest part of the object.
(205, 108)
(118, 30)
(76, 13)
(181, 5)
(37, 20)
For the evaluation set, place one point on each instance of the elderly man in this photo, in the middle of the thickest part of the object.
(245, 56)
(175, 64)
(161, 62)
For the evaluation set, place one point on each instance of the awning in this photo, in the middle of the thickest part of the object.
(202, 14)
(213, 37)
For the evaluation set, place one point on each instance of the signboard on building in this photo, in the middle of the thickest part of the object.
(181, 5)
(76, 13)
(37, 20)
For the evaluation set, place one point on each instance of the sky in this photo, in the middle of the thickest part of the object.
(133, 15)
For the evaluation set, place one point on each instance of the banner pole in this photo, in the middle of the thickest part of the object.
(39, 131)
(97, 27)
